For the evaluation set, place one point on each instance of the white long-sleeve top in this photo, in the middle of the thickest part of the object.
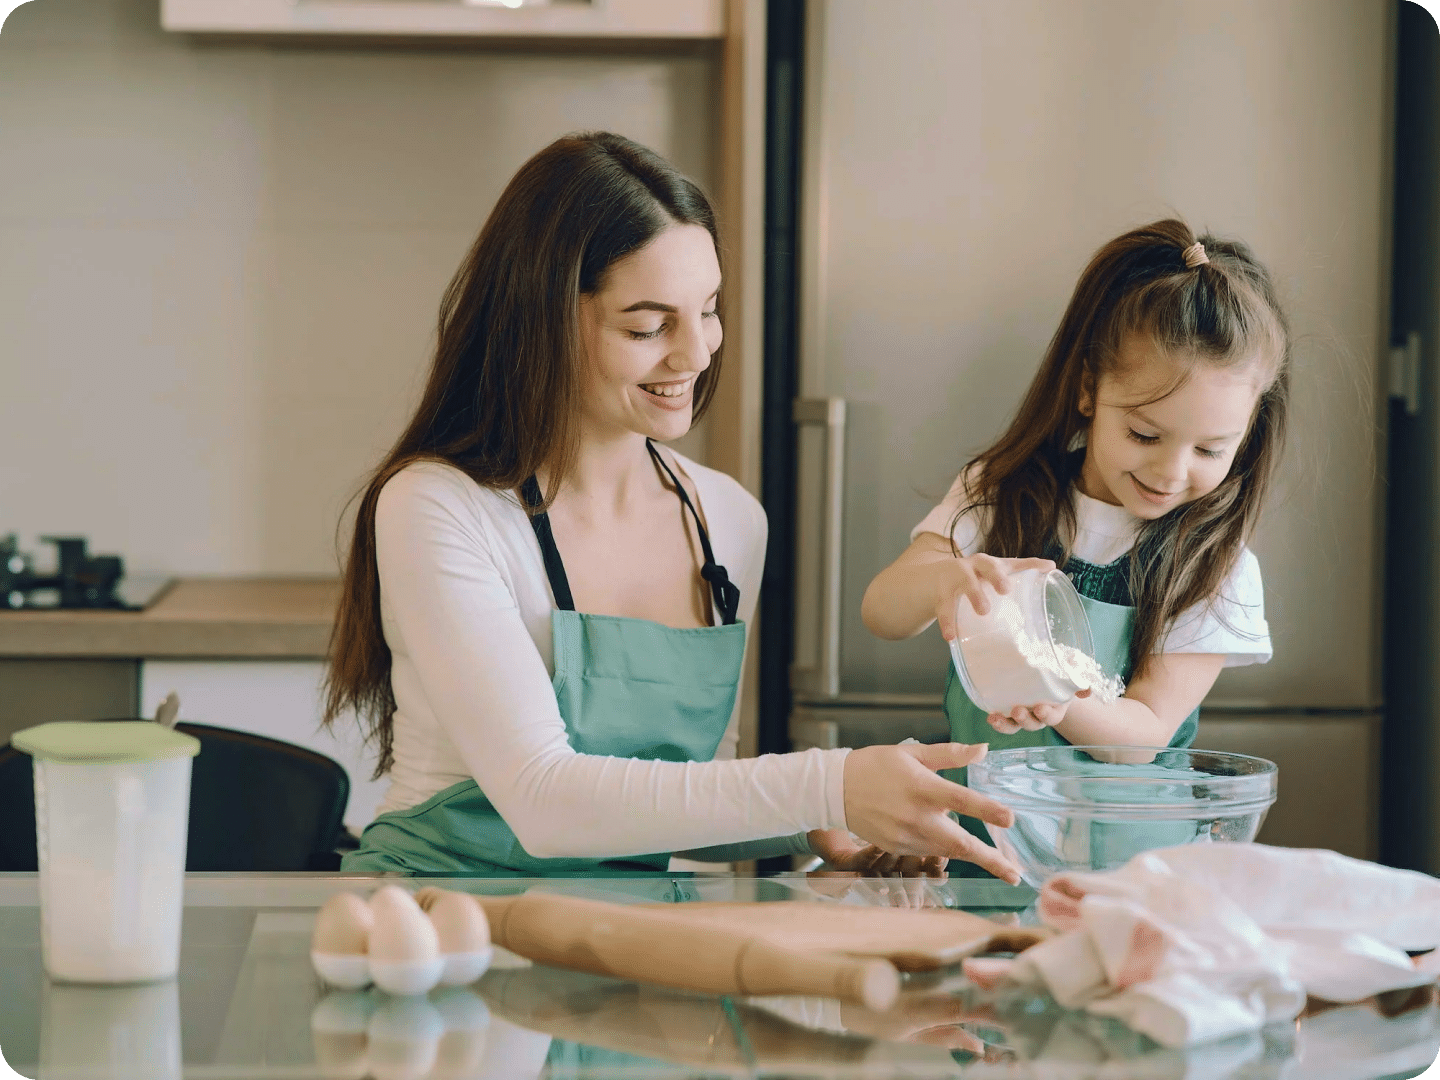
(465, 608)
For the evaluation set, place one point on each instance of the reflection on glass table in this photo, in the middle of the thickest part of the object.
(247, 1004)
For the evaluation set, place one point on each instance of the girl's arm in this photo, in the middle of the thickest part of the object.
(1154, 706)
(925, 582)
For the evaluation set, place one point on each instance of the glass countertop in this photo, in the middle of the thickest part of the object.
(247, 1004)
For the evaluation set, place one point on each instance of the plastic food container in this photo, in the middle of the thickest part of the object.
(112, 806)
(1030, 648)
(1095, 808)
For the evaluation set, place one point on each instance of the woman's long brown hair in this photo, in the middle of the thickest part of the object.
(1224, 313)
(500, 402)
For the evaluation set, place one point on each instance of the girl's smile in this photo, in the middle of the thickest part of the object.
(1163, 434)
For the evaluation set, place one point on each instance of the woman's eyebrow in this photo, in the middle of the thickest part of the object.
(655, 305)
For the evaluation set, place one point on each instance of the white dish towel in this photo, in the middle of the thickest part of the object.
(1204, 941)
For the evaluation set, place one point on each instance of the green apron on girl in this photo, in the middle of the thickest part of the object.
(625, 687)
(1105, 595)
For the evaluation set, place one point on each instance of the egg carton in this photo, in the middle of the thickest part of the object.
(406, 945)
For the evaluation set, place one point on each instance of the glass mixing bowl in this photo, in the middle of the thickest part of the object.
(1016, 653)
(1095, 807)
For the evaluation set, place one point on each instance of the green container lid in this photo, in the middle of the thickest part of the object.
(107, 743)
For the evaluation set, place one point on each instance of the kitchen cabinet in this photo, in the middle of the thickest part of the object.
(243, 653)
(610, 20)
(37, 690)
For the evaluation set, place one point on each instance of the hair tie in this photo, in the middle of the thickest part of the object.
(1194, 255)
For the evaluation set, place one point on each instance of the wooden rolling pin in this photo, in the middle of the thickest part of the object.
(652, 946)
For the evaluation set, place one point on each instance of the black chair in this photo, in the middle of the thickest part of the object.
(256, 804)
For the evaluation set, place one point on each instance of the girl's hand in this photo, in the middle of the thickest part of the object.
(894, 800)
(1032, 717)
(842, 851)
(967, 576)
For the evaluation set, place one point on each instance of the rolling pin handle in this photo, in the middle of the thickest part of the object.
(762, 968)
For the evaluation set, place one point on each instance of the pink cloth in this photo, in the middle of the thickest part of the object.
(1205, 941)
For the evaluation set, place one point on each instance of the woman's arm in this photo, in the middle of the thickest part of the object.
(927, 580)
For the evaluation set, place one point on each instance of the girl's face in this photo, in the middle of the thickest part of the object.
(1151, 456)
(648, 333)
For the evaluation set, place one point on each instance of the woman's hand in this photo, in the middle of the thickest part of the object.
(894, 800)
(841, 851)
(1032, 717)
(967, 576)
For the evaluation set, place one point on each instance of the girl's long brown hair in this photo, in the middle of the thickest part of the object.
(1223, 312)
(501, 398)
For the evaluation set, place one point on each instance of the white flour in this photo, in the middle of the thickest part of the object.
(1009, 666)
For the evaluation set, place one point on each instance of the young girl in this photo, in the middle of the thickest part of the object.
(1138, 462)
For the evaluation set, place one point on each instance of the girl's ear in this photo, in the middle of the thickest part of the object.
(1087, 394)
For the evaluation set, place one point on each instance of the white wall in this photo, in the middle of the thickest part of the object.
(220, 264)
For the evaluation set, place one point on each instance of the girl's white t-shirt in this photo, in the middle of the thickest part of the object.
(1232, 624)
(465, 607)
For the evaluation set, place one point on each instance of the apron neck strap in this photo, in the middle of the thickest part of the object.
(725, 593)
(554, 566)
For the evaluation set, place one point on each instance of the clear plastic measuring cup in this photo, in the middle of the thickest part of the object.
(112, 807)
(1033, 647)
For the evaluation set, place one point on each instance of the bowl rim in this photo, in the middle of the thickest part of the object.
(1250, 792)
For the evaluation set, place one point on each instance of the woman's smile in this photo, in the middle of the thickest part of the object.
(674, 394)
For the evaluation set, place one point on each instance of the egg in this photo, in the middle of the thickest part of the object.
(341, 940)
(404, 948)
(464, 934)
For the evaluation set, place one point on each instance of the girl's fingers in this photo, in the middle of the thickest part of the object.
(1048, 715)
(993, 571)
(975, 593)
(1024, 720)
(945, 616)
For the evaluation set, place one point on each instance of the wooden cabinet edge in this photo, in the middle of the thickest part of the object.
(639, 20)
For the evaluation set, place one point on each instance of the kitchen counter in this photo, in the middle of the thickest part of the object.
(230, 618)
(246, 1004)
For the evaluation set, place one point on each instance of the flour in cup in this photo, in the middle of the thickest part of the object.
(1009, 666)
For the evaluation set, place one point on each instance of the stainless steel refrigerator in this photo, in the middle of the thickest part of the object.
(960, 161)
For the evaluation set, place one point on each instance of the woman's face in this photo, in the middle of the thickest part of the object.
(648, 333)
(1150, 453)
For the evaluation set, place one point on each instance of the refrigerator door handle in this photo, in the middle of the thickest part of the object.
(823, 679)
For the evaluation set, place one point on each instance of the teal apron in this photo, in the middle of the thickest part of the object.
(627, 688)
(1105, 595)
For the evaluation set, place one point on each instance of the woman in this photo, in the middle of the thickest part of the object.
(543, 712)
